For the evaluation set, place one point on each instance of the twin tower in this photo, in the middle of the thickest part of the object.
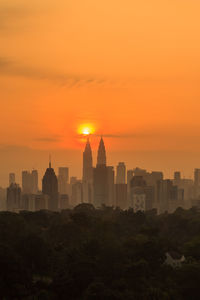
(95, 180)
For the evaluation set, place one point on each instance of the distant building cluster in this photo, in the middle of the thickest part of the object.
(101, 185)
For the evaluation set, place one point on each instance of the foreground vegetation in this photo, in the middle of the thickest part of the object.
(100, 254)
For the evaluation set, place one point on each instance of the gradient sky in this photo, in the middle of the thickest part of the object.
(131, 68)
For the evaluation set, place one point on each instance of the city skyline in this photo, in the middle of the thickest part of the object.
(132, 71)
(101, 184)
(77, 171)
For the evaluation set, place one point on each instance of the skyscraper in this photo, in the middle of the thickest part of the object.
(30, 182)
(101, 178)
(142, 195)
(197, 177)
(13, 197)
(121, 195)
(177, 176)
(121, 173)
(197, 183)
(76, 197)
(167, 195)
(130, 174)
(101, 156)
(11, 178)
(87, 173)
(50, 188)
(26, 182)
(34, 182)
(87, 162)
(63, 180)
(111, 186)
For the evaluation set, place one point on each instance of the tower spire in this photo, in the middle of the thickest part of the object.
(49, 161)
(101, 157)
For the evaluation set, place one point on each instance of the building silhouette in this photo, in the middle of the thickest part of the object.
(34, 182)
(197, 183)
(121, 173)
(64, 201)
(111, 186)
(101, 156)
(121, 195)
(76, 192)
(50, 188)
(63, 180)
(168, 195)
(87, 179)
(177, 175)
(142, 195)
(13, 197)
(100, 183)
(130, 174)
(30, 182)
(11, 178)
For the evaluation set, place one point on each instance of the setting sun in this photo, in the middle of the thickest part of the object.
(86, 129)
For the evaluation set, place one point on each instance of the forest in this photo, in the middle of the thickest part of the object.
(99, 254)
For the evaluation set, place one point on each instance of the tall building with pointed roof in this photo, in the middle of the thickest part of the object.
(87, 162)
(103, 182)
(101, 157)
(50, 187)
(87, 173)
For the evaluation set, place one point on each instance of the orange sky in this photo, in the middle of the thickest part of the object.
(131, 68)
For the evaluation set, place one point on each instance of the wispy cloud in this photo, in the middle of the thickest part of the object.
(49, 139)
(11, 68)
(11, 16)
(125, 135)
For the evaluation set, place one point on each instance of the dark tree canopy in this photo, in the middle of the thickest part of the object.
(101, 254)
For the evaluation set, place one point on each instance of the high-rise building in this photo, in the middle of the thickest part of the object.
(87, 179)
(168, 195)
(130, 174)
(3, 203)
(121, 173)
(197, 177)
(121, 195)
(11, 178)
(177, 175)
(13, 197)
(26, 182)
(100, 178)
(111, 186)
(101, 156)
(34, 182)
(50, 188)
(64, 201)
(139, 172)
(87, 162)
(142, 195)
(63, 180)
(41, 202)
(197, 183)
(30, 182)
(76, 197)
(100, 186)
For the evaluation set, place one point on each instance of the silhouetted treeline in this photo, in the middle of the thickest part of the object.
(100, 254)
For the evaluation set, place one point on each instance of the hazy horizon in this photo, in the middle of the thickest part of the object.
(16, 159)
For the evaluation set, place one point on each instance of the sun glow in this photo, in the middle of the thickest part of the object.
(86, 129)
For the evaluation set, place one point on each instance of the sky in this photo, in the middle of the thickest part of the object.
(129, 68)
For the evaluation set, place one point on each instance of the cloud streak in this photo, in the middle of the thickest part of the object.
(11, 68)
(125, 135)
(12, 16)
(49, 139)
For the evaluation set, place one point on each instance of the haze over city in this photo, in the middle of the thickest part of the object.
(129, 69)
